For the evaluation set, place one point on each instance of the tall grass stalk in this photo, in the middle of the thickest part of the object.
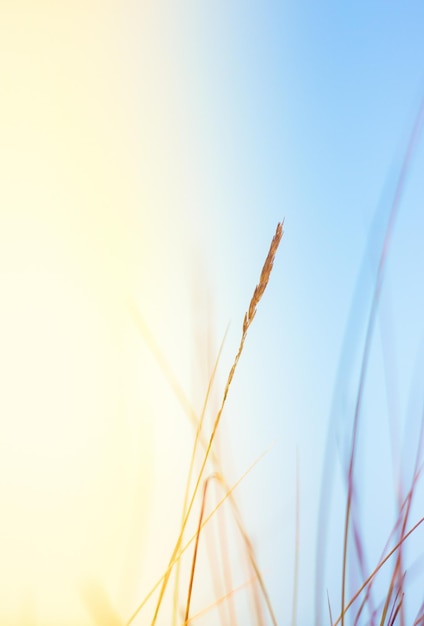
(248, 318)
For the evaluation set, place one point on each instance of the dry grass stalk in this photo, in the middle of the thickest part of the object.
(189, 410)
(265, 274)
(228, 495)
(223, 598)
(375, 572)
(193, 566)
(257, 295)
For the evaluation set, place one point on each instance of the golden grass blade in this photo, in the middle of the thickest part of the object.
(222, 599)
(227, 495)
(257, 575)
(220, 566)
(185, 404)
(196, 546)
(257, 295)
(192, 461)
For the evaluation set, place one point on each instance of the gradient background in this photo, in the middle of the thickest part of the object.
(148, 150)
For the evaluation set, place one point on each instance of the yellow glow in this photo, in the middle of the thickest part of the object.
(76, 222)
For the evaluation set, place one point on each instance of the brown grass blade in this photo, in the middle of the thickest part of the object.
(192, 461)
(345, 359)
(397, 525)
(257, 295)
(222, 599)
(227, 495)
(375, 572)
(185, 404)
(370, 329)
(196, 546)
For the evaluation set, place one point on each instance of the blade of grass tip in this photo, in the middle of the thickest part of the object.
(346, 360)
(385, 610)
(192, 461)
(370, 332)
(395, 614)
(196, 546)
(248, 318)
(376, 570)
(227, 495)
(297, 544)
(395, 606)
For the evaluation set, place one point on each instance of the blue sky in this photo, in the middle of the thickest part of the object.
(302, 111)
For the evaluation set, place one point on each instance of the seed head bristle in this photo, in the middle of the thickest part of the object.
(264, 278)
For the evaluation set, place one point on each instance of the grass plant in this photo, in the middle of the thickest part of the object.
(363, 607)
(206, 478)
(208, 453)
